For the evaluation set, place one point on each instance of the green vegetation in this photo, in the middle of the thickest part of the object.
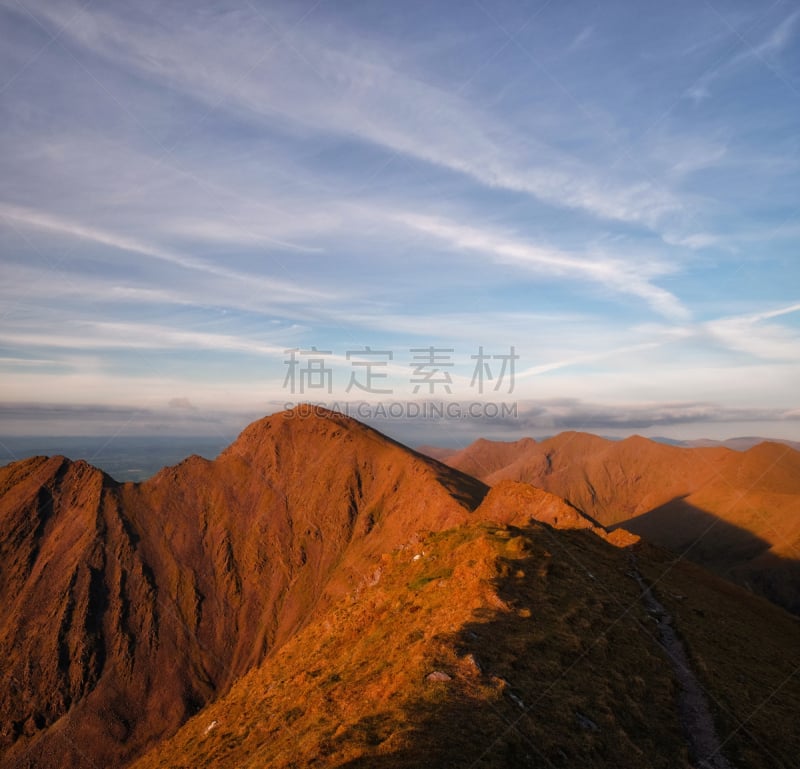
(424, 579)
(550, 660)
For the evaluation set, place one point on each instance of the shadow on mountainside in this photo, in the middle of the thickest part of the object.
(489, 647)
(729, 550)
(564, 675)
(569, 674)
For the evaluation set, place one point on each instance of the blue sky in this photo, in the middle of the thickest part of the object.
(188, 190)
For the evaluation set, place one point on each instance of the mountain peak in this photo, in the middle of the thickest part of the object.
(734, 511)
(304, 421)
(517, 504)
(192, 577)
(128, 608)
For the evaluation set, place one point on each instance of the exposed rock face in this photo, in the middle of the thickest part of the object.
(127, 607)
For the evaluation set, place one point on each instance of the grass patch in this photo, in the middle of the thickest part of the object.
(423, 579)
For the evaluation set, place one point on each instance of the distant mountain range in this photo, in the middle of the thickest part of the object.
(736, 512)
(737, 444)
(320, 595)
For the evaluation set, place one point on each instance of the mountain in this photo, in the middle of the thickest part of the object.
(320, 595)
(739, 444)
(127, 607)
(483, 458)
(436, 452)
(494, 646)
(735, 512)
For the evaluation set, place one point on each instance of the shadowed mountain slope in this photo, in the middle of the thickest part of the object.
(492, 646)
(735, 512)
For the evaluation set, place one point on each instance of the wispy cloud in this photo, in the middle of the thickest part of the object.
(780, 36)
(188, 189)
(319, 87)
(13, 361)
(504, 327)
(231, 233)
(538, 418)
(580, 39)
(613, 273)
(44, 221)
(593, 357)
(751, 334)
(571, 413)
(93, 335)
(762, 52)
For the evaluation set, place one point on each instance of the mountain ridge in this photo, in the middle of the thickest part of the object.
(134, 613)
(673, 496)
(163, 592)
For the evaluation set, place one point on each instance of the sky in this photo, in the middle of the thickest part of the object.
(553, 215)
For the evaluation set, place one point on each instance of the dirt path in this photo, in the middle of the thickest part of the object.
(694, 713)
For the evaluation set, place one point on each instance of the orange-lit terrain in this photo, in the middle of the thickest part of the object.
(320, 595)
(736, 512)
